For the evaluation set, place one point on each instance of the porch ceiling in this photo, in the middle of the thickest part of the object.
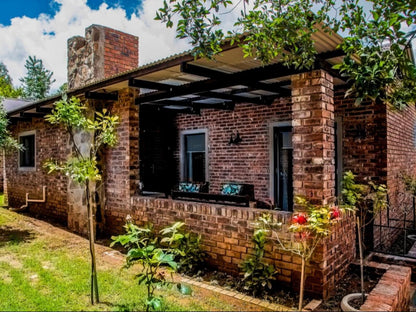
(185, 84)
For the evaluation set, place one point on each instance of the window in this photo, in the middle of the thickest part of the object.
(27, 158)
(283, 163)
(194, 156)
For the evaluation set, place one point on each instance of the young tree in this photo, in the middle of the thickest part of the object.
(309, 229)
(7, 143)
(38, 79)
(81, 166)
(366, 201)
(377, 37)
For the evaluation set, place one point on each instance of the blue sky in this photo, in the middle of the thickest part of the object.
(41, 28)
(33, 8)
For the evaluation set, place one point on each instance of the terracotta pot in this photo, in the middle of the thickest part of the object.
(345, 306)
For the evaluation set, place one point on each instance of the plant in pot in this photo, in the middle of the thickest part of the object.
(365, 201)
(308, 228)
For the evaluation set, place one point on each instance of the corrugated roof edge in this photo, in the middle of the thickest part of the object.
(107, 81)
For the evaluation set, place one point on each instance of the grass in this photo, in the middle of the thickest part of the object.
(46, 268)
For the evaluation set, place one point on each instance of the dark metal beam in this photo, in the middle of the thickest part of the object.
(320, 63)
(137, 83)
(32, 115)
(21, 119)
(263, 73)
(113, 96)
(331, 54)
(219, 75)
(45, 110)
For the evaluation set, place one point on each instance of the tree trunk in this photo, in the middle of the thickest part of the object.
(94, 282)
(302, 283)
(360, 247)
(5, 193)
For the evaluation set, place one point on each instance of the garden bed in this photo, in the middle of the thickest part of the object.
(284, 296)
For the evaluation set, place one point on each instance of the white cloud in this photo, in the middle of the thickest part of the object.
(46, 36)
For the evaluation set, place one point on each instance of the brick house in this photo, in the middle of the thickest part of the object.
(281, 130)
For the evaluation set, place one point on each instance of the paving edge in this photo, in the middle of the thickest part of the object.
(236, 295)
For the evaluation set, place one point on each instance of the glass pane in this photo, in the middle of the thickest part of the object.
(27, 156)
(198, 167)
(286, 139)
(195, 142)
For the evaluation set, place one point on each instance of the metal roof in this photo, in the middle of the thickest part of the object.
(11, 105)
(182, 80)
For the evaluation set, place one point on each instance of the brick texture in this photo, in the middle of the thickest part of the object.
(226, 237)
(247, 162)
(392, 291)
(51, 142)
(313, 136)
(102, 53)
(121, 163)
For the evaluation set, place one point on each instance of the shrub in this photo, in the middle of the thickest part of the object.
(187, 246)
(258, 275)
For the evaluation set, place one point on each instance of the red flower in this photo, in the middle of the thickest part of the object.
(300, 219)
(335, 213)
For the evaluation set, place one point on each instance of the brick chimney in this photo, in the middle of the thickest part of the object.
(102, 53)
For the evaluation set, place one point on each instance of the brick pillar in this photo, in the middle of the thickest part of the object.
(313, 136)
(122, 161)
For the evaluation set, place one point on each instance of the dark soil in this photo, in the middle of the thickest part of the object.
(278, 294)
(284, 296)
(351, 284)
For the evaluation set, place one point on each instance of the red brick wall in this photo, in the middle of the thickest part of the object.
(51, 142)
(313, 137)
(247, 162)
(226, 237)
(121, 52)
(364, 138)
(121, 163)
(392, 291)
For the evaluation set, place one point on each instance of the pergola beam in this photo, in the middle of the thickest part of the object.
(138, 83)
(113, 96)
(239, 78)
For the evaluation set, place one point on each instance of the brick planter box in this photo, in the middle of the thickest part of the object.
(392, 291)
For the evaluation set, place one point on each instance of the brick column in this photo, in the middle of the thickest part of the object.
(122, 161)
(313, 136)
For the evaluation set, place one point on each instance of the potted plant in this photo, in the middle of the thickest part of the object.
(365, 201)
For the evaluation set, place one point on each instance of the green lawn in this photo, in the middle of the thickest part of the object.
(45, 268)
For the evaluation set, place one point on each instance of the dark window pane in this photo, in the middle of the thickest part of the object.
(195, 166)
(195, 143)
(27, 155)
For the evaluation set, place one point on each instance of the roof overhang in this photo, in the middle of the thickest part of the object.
(184, 84)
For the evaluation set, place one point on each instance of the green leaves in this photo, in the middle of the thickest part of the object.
(257, 274)
(38, 80)
(376, 64)
(72, 114)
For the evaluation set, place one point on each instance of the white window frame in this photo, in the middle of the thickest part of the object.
(22, 134)
(182, 157)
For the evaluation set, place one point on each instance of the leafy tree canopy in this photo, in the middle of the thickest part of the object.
(6, 87)
(38, 79)
(377, 36)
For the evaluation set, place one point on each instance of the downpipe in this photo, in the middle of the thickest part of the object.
(26, 205)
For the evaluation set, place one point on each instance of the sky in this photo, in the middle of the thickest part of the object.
(42, 28)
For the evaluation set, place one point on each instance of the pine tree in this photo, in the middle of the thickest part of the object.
(38, 79)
